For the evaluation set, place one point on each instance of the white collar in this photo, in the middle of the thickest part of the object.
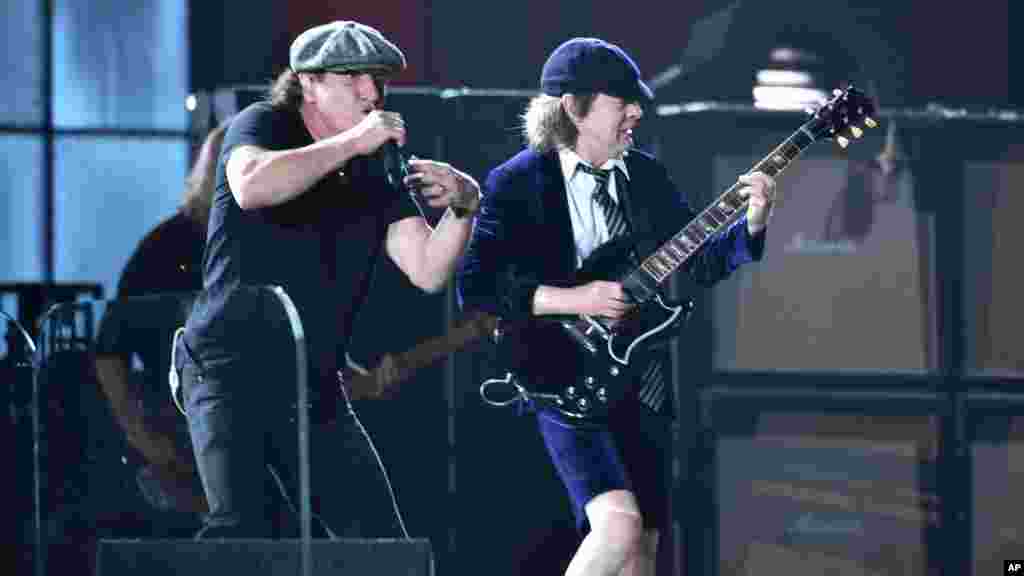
(569, 159)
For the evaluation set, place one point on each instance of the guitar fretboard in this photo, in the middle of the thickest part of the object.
(720, 214)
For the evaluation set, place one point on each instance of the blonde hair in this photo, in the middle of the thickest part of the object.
(546, 124)
(199, 184)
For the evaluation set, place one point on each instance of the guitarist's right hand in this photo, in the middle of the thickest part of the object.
(596, 298)
(602, 298)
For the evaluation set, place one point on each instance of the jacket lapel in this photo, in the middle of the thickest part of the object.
(554, 209)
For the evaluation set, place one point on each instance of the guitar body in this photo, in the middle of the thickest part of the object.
(597, 358)
(651, 321)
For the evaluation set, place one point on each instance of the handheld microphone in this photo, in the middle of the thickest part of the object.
(395, 166)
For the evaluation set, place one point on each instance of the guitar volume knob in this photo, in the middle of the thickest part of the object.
(570, 391)
(614, 370)
(602, 395)
(583, 404)
(589, 381)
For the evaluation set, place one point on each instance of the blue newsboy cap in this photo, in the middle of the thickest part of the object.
(588, 65)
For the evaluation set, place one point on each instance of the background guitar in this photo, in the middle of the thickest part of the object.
(393, 369)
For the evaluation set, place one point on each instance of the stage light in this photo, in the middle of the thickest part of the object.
(787, 97)
(789, 81)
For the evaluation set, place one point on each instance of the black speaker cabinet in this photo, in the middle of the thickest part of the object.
(822, 483)
(995, 437)
(257, 557)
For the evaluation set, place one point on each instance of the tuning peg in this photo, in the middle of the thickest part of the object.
(870, 123)
(857, 132)
(842, 141)
(836, 91)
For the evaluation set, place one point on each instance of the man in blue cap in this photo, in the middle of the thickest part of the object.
(302, 203)
(578, 184)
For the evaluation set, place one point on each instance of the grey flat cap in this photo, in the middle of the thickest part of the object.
(344, 46)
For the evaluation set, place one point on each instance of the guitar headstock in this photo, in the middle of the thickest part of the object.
(841, 118)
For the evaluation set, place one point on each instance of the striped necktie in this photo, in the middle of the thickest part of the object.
(652, 391)
(614, 217)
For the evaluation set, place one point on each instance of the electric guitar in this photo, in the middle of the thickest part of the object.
(609, 346)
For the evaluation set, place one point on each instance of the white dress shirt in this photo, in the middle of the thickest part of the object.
(589, 229)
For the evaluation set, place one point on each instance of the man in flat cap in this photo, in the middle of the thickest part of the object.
(310, 191)
(578, 185)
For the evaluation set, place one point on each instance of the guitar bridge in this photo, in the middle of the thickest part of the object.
(582, 338)
(595, 325)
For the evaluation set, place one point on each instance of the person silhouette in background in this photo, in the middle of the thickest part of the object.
(132, 359)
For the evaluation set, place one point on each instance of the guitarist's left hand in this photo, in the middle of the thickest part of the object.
(759, 189)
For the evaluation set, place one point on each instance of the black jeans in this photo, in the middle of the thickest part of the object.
(242, 423)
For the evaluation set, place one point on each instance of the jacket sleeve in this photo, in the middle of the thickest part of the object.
(490, 277)
(726, 252)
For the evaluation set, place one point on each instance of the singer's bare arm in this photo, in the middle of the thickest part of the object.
(259, 178)
(428, 256)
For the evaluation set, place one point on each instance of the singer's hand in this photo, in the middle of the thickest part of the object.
(442, 185)
(375, 129)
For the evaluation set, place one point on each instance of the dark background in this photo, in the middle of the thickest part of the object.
(917, 52)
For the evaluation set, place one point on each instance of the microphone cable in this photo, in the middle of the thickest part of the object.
(376, 455)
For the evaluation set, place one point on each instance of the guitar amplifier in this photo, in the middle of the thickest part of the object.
(822, 483)
(256, 557)
(995, 440)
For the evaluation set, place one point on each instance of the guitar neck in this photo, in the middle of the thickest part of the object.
(429, 351)
(718, 216)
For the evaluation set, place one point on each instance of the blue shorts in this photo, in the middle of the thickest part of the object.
(631, 454)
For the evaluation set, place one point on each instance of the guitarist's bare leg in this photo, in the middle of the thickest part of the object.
(617, 481)
(617, 543)
(643, 562)
(616, 536)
